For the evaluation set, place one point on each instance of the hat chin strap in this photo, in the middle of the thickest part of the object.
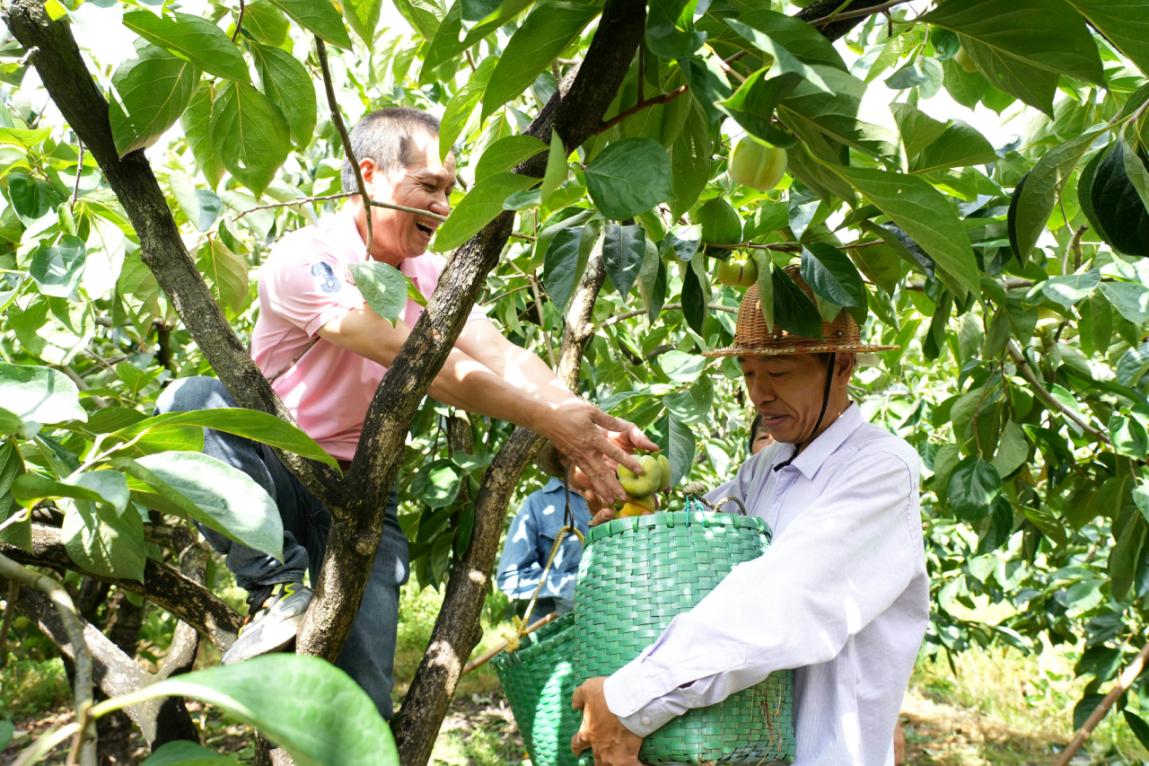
(821, 413)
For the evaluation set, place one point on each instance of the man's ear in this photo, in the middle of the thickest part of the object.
(844, 364)
(367, 169)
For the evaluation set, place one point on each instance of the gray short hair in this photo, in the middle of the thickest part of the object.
(384, 136)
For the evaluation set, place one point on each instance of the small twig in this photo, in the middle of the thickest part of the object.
(1123, 683)
(341, 195)
(79, 171)
(493, 652)
(671, 306)
(83, 748)
(639, 106)
(238, 21)
(542, 321)
(1043, 393)
(835, 16)
(1075, 245)
(27, 59)
(336, 118)
(6, 624)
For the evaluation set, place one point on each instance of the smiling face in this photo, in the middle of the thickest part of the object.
(423, 182)
(787, 391)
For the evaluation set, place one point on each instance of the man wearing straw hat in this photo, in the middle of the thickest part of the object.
(841, 596)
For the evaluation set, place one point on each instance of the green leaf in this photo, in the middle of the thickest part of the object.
(629, 177)
(319, 17)
(184, 752)
(556, 172)
(40, 394)
(265, 23)
(196, 122)
(481, 205)
(548, 30)
(681, 367)
(753, 105)
(506, 153)
(793, 309)
(680, 447)
(57, 268)
(691, 156)
(193, 38)
(1070, 290)
(1034, 197)
(288, 84)
(460, 106)
(784, 61)
(664, 37)
(31, 197)
(562, 265)
(363, 16)
(817, 115)
(151, 92)
(973, 485)
(1129, 436)
(832, 276)
(1136, 723)
(384, 287)
(1124, 557)
(925, 215)
(799, 37)
(1038, 33)
(1125, 24)
(959, 145)
(1012, 450)
(250, 424)
(225, 273)
(1117, 209)
(249, 134)
(334, 723)
(104, 540)
(205, 489)
(693, 299)
(622, 249)
(1133, 365)
(1033, 85)
(1130, 300)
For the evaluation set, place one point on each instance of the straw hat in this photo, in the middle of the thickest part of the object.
(751, 338)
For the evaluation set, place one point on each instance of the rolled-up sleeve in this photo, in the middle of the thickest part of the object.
(839, 564)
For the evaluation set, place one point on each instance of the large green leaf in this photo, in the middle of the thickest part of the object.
(384, 287)
(1125, 555)
(799, 38)
(104, 540)
(506, 153)
(793, 309)
(1017, 77)
(318, 17)
(363, 16)
(973, 486)
(249, 134)
(680, 447)
(250, 424)
(832, 276)
(58, 268)
(225, 273)
(320, 716)
(691, 158)
(480, 206)
(669, 32)
(265, 23)
(629, 177)
(622, 250)
(196, 122)
(462, 104)
(817, 115)
(192, 37)
(925, 215)
(753, 105)
(1131, 300)
(1071, 289)
(1116, 206)
(958, 145)
(204, 489)
(39, 394)
(562, 265)
(1125, 23)
(546, 32)
(31, 197)
(289, 86)
(182, 752)
(1037, 193)
(1046, 34)
(151, 92)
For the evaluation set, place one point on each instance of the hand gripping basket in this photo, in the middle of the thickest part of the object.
(539, 681)
(636, 575)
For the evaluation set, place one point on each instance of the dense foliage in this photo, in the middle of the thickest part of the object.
(1004, 252)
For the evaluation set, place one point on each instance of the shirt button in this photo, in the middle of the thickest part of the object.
(644, 720)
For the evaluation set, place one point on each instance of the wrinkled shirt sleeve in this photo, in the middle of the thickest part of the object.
(839, 564)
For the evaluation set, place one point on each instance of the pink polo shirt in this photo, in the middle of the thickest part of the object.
(304, 284)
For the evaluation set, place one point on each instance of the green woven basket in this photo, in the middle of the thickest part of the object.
(636, 575)
(539, 681)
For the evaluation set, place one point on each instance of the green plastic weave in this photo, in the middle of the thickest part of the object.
(636, 575)
(539, 681)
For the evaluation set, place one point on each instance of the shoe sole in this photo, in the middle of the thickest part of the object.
(272, 639)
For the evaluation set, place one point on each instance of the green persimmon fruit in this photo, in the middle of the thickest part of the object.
(756, 164)
(736, 273)
(664, 470)
(639, 486)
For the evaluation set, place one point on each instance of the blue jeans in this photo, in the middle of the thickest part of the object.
(368, 656)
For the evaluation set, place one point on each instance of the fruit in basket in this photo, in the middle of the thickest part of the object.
(643, 485)
(638, 506)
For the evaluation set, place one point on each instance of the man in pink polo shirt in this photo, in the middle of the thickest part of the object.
(325, 352)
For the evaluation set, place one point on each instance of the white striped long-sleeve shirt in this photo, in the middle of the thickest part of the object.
(841, 596)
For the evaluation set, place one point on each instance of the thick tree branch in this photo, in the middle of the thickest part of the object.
(66, 78)
(163, 585)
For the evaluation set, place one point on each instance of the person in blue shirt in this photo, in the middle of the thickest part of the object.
(531, 537)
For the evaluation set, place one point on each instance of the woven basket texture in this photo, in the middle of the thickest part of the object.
(636, 575)
(539, 681)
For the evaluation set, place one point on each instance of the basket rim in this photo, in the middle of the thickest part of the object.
(670, 519)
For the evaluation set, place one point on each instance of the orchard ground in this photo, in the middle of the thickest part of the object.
(996, 707)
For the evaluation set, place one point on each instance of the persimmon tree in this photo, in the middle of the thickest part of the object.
(595, 206)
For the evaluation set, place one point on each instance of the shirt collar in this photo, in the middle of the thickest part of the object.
(828, 442)
(343, 236)
(554, 485)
